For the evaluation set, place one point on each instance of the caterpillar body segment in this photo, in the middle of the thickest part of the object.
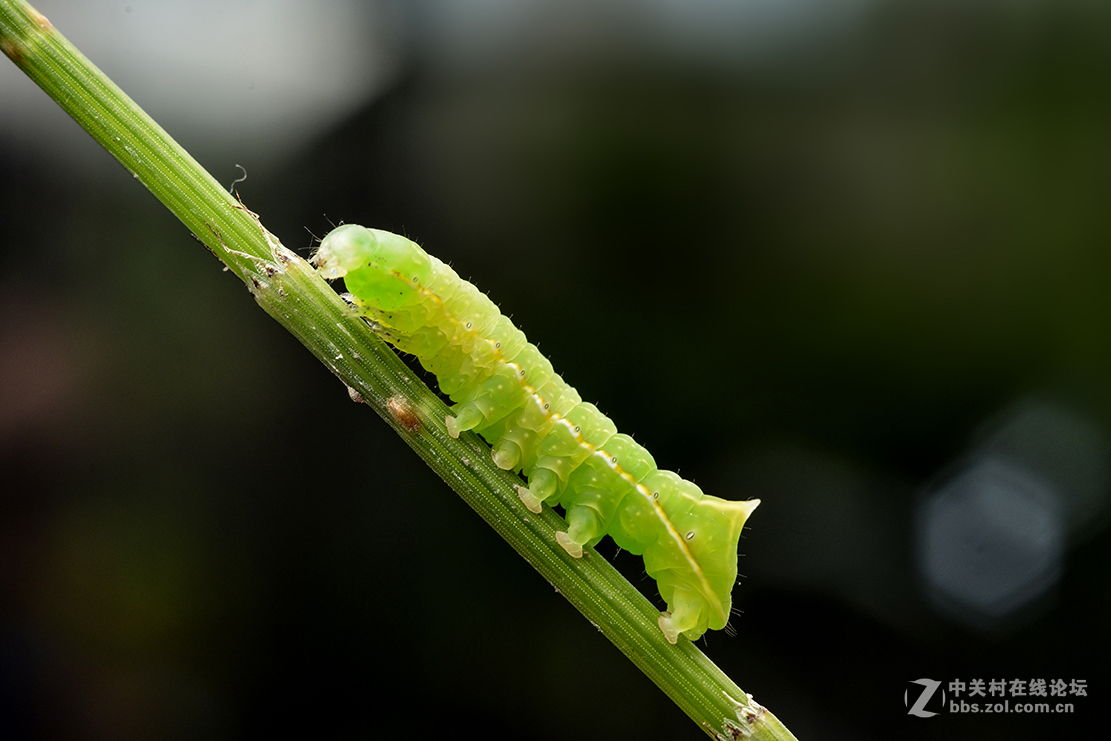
(570, 453)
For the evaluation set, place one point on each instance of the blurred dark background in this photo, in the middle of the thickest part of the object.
(846, 256)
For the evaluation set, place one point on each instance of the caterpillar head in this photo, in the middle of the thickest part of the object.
(383, 269)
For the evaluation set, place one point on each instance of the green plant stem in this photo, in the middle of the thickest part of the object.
(290, 291)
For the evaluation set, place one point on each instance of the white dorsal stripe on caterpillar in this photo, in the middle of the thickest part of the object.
(571, 454)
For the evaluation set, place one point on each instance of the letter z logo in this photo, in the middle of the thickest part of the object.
(929, 686)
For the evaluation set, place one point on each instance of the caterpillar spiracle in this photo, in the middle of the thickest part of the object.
(571, 454)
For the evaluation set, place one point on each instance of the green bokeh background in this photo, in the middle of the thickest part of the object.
(811, 280)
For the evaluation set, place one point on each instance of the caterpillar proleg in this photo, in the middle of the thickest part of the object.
(572, 455)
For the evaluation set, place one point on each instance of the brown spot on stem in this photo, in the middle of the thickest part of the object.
(733, 731)
(40, 20)
(403, 413)
(13, 50)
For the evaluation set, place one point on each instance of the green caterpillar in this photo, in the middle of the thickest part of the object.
(571, 454)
